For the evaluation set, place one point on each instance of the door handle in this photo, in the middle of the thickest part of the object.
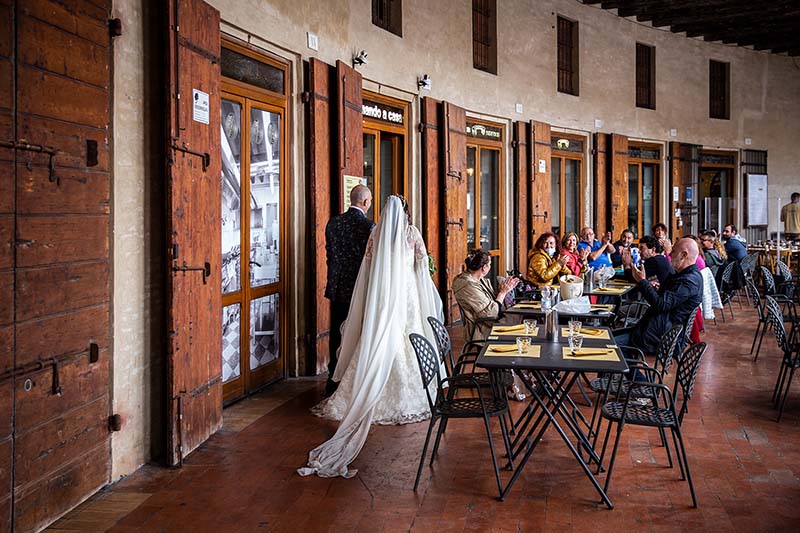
(205, 269)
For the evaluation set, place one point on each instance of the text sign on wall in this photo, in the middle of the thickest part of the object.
(757, 213)
(348, 183)
(482, 131)
(382, 112)
(200, 106)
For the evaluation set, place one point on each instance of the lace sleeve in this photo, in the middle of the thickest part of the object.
(368, 251)
(414, 239)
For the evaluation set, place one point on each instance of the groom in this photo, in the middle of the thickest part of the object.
(346, 238)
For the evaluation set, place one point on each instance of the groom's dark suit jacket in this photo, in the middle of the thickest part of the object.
(346, 238)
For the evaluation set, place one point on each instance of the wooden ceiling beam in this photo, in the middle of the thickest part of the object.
(647, 11)
(738, 22)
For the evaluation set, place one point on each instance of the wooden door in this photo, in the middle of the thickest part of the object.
(618, 214)
(455, 201)
(601, 181)
(522, 184)
(684, 168)
(194, 303)
(350, 140)
(541, 198)
(321, 87)
(431, 183)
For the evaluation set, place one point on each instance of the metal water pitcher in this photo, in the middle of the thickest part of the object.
(551, 325)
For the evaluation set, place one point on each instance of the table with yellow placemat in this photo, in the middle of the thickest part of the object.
(557, 368)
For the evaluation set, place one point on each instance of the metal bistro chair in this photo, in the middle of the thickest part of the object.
(726, 290)
(788, 286)
(791, 354)
(663, 414)
(761, 326)
(444, 408)
(786, 303)
(748, 264)
(634, 313)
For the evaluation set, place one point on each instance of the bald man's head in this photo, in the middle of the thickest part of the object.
(684, 254)
(360, 196)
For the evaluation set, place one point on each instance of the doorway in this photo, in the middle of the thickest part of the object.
(253, 123)
(717, 190)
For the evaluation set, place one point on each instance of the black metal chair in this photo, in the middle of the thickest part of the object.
(771, 289)
(662, 414)
(726, 288)
(470, 326)
(790, 361)
(748, 264)
(787, 285)
(493, 403)
(634, 311)
(761, 326)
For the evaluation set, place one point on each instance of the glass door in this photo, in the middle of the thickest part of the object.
(483, 204)
(716, 198)
(642, 202)
(565, 183)
(252, 220)
(383, 167)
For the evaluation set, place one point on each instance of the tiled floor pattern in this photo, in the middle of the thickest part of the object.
(746, 469)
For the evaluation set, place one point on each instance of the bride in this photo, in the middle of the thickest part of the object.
(378, 371)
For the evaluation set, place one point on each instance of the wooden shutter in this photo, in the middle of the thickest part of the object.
(684, 171)
(619, 186)
(321, 85)
(431, 182)
(351, 137)
(455, 200)
(541, 196)
(522, 183)
(194, 301)
(600, 162)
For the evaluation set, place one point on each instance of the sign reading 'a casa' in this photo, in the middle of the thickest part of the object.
(382, 112)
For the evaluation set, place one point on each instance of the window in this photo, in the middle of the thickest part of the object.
(484, 35)
(567, 56)
(719, 94)
(644, 164)
(645, 76)
(388, 14)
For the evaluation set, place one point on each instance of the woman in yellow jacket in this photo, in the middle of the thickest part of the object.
(546, 262)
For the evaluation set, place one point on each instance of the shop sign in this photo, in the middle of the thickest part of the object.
(566, 145)
(482, 131)
(382, 112)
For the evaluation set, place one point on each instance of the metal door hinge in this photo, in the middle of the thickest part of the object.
(205, 269)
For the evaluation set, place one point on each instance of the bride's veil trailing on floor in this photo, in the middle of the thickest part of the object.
(373, 335)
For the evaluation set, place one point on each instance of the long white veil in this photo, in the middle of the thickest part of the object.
(373, 335)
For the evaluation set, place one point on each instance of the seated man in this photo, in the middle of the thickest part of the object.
(599, 252)
(625, 241)
(735, 245)
(677, 298)
(656, 265)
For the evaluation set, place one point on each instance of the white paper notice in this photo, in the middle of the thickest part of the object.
(542, 165)
(200, 107)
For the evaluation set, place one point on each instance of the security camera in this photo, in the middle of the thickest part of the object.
(424, 82)
(360, 58)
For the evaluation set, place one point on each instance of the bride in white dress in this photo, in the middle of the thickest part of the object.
(378, 372)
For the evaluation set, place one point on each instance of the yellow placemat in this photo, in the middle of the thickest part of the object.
(496, 330)
(588, 353)
(513, 333)
(589, 333)
(510, 350)
(529, 305)
(612, 290)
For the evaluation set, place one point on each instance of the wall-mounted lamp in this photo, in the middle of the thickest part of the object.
(360, 58)
(424, 82)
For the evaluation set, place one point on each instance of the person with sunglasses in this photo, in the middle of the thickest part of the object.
(714, 251)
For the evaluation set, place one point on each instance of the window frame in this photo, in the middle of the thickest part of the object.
(562, 199)
(657, 184)
(487, 38)
(393, 21)
(567, 56)
(719, 89)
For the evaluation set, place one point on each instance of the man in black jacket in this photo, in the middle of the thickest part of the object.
(655, 263)
(346, 238)
(678, 297)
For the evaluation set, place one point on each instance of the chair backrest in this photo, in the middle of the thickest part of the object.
(686, 340)
(634, 313)
(666, 348)
(755, 297)
(727, 274)
(686, 374)
(748, 263)
(767, 280)
(783, 270)
(775, 319)
(428, 361)
(443, 343)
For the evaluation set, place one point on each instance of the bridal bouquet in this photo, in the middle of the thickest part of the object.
(431, 265)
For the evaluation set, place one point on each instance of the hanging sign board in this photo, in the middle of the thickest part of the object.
(757, 211)
(483, 131)
(382, 112)
(348, 183)
(200, 106)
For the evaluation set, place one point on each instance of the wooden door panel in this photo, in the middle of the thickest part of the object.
(541, 194)
(58, 288)
(431, 182)
(320, 76)
(522, 182)
(618, 184)
(71, 139)
(61, 239)
(6, 241)
(351, 142)
(78, 191)
(601, 180)
(194, 307)
(6, 184)
(455, 201)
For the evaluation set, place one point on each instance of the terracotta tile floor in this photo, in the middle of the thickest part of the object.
(746, 470)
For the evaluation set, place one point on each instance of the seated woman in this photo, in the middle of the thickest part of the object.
(545, 262)
(475, 295)
(575, 258)
(714, 250)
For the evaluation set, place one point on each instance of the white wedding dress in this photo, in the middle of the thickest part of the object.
(378, 374)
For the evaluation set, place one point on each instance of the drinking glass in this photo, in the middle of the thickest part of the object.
(574, 327)
(522, 344)
(530, 325)
(575, 341)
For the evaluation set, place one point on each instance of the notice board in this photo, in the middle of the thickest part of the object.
(757, 210)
